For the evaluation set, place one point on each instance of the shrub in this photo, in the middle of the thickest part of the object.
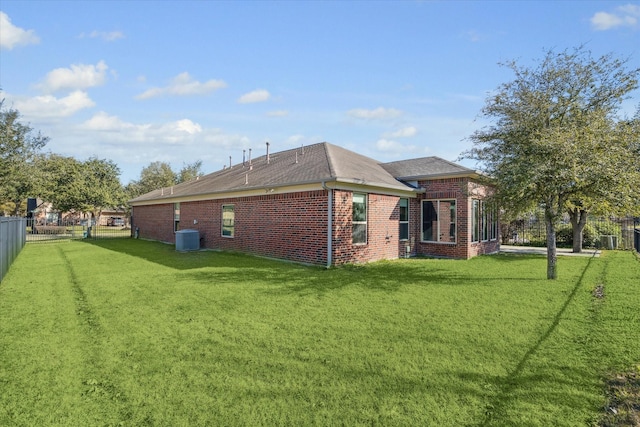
(50, 229)
(564, 235)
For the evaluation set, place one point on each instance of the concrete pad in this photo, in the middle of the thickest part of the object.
(508, 249)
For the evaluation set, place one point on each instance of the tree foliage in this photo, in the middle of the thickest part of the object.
(189, 172)
(156, 175)
(82, 186)
(19, 145)
(556, 140)
(160, 175)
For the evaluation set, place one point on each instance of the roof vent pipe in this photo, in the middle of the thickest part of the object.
(249, 156)
(230, 162)
(302, 145)
(296, 157)
(267, 152)
(243, 160)
(246, 179)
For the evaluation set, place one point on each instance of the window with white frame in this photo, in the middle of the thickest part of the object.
(228, 221)
(359, 220)
(439, 221)
(484, 221)
(176, 216)
(403, 233)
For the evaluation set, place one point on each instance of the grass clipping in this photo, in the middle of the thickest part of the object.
(623, 407)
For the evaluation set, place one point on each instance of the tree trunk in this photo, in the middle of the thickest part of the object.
(552, 256)
(578, 221)
(551, 219)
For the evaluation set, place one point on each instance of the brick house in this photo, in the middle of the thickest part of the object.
(323, 204)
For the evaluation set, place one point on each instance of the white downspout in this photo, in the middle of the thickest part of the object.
(329, 225)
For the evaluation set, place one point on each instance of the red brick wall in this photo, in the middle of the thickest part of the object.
(460, 189)
(294, 226)
(154, 222)
(288, 226)
(383, 214)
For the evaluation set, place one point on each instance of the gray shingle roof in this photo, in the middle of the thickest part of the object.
(426, 167)
(315, 163)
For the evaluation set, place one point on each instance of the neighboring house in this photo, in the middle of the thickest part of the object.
(323, 204)
(43, 213)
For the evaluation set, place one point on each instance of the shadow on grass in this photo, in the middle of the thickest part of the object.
(291, 278)
(166, 255)
(515, 379)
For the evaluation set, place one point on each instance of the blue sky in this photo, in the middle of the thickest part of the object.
(143, 81)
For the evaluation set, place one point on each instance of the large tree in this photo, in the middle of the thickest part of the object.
(19, 144)
(81, 186)
(156, 175)
(160, 175)
(550, 128)
(189, 172)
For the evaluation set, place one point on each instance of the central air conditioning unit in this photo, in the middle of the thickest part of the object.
(187, 240)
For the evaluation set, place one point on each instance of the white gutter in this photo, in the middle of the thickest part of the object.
(329, 225)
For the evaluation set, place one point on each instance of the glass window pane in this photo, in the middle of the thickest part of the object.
(228, 220)
(359, 223)
(447, 218)
(359, 233)
(429, 221)
(475, 223)
(404, 209)
(404, 231)
(359, 207)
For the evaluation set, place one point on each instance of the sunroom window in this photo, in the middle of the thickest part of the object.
(439, 221)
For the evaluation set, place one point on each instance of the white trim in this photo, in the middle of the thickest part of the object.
(337, 184)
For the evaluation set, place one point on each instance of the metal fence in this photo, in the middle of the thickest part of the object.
(12, 240)
(599, 232)
(73, 230)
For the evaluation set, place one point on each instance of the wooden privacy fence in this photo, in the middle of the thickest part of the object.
(12, 240)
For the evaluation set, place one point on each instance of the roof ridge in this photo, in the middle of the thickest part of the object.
(330, 161)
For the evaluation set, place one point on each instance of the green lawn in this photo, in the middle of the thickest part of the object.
(129, 332)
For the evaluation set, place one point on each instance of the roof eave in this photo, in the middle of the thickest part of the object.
(466, 174)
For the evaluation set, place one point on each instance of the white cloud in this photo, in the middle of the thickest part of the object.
(623, 16)
(12, 36)
(180, 131)
(48, 106)
(406, 132)
(379, 113)
(77, 76)
(103, 122)
(183, 85)
(278, 113)
(259, 95)
(108, 36)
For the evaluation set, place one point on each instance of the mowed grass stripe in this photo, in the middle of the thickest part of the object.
(42, 354)
(225, 339)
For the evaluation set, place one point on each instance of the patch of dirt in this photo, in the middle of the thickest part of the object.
(623, 408)
(598, 292)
